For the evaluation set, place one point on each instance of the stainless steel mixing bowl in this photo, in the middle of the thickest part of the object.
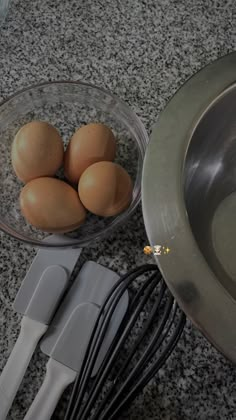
(189, 200)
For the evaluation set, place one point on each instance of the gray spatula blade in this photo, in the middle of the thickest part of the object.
(66, 258)
(92, 284)
(47, 294)
(71, 345)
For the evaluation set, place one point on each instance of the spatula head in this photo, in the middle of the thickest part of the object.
(92, 285)
(65, 258)
(71, 345)
(47, 295)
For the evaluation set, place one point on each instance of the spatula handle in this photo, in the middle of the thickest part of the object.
(57, 378)
(13, 373)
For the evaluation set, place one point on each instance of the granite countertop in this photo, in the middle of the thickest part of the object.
(142, 51)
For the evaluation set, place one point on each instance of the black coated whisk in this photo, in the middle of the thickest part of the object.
(142, 354)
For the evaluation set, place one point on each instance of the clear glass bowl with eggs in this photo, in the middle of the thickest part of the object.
(67, 106)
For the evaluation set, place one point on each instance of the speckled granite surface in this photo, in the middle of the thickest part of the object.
(142, 51)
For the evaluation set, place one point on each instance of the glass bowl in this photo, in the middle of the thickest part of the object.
(67, 105)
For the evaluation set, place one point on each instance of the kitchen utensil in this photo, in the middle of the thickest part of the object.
(68, 335)
(92, 284)
(189, 200)
(37, 300)
(4, 5)
(67, 105)
(137, 358)
(43, 259)
(65, 361)
(34, 324)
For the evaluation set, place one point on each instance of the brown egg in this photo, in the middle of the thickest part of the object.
(105, 188)
(37, 151)
(91, 143)
(51, 205)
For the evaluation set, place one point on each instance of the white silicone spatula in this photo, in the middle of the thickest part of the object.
(68, 335)
(34, 324)
(37, 301)
(92, 284)
(65, 360)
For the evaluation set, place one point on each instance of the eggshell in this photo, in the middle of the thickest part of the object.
(91, 143)
(51, 205)
(105, 188)
(37, 151)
